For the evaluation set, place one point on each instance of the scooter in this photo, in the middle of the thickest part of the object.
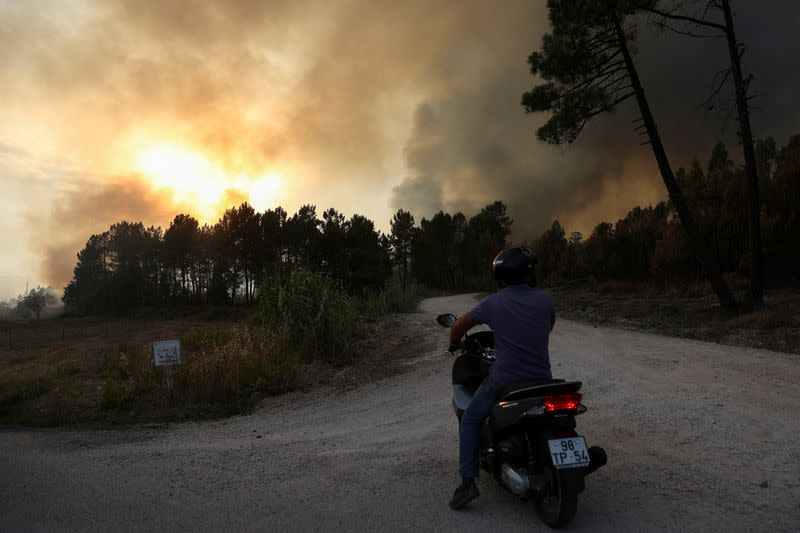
(529, 442)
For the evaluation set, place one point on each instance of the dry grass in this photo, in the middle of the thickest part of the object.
(765, 320)
(219, 371)
(101, 370)
(692, 312)
(90, 370)
(247, 361)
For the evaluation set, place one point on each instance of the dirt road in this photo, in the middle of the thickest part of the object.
(700, 437)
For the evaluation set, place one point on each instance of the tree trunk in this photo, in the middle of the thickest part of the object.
(751, 171)
(405, 268)
(183, 280)
(401, 263)
(696, 242)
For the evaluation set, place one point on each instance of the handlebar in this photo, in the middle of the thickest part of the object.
(478, 352)
(453, 349)
(469, 346)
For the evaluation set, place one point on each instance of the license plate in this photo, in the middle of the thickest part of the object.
(569, 452)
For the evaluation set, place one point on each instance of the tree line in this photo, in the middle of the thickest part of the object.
(451, 251)
(650, 244)
(131, 266)
(587, 62)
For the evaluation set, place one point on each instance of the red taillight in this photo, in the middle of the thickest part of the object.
(562, 402)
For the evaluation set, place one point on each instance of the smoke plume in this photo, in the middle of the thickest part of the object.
(364, 105)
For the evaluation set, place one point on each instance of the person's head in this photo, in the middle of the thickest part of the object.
(516, 265)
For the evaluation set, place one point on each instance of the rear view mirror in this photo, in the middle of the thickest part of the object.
(447, 320)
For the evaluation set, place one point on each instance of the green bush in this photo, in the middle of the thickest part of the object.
(279, 371)
(310, 311)
(392, 299)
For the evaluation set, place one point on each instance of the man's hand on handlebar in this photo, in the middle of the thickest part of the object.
(457, 332)
(455, 347)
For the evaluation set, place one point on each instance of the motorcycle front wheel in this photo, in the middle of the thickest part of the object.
(558, 504)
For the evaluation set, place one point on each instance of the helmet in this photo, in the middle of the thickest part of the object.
(515, 265)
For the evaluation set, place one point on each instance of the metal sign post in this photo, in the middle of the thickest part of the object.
(167, 354)
(168, 376)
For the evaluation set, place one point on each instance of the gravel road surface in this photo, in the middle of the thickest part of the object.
(700, 437)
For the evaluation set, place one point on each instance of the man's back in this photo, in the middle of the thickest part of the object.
(521, 318)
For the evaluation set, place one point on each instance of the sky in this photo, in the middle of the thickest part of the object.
(123, 109)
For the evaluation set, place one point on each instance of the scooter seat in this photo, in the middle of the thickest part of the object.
(539, 387)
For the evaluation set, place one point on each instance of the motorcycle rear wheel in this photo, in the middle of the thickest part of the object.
(559, 503)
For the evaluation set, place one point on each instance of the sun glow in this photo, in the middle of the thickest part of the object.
(196, 181)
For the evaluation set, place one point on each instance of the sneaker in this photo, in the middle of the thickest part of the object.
(465, 493)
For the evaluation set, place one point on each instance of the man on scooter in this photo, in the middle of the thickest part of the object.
(522, 318)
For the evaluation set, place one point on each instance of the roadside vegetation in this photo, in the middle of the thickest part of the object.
(690, 312)
(306, 330)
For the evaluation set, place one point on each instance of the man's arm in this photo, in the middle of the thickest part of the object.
(460, 328)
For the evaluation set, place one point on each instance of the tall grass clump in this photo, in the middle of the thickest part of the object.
(391, 299)
(222, 369)
(242, 362)
(309, 311)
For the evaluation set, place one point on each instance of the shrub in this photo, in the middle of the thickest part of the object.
(279, 372)
(215, 373)
(309, 311)
(226, 371)
(117, 395)
(392, 299)
(16, 392)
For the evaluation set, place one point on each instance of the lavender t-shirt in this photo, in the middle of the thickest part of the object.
(520, 317)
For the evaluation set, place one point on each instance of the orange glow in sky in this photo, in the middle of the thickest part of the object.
(202, 184)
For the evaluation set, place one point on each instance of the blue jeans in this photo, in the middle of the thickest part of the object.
(469, 430)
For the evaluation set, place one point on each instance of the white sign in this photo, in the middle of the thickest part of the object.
(167, 352)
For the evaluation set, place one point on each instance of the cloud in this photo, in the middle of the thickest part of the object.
(473, 141)
(366, 105)
(473, 145)
(421, 195)
(78, 214)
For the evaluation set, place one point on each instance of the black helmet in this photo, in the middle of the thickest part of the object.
(514, 266)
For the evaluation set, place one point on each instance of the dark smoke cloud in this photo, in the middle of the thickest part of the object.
(476, 144)
(79, 213)
(376, 104)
